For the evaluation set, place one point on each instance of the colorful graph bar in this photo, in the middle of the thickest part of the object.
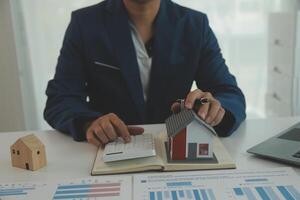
(262, 193)
(14, 191)
(87, 196)
(268, 193)
(178, 184)
(79, 191)
(238, 191)
(88, 186)
(152, 195)
(285, 193)
(256, 180)
(88, 191)
(12, 194)
(293, 191)
(271, 193)
(159, 196)
(181, 194)
(174, 195)
(203, 194)
(195, 194)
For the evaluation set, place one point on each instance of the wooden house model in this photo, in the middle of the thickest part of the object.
(190, 138)
(28, 153)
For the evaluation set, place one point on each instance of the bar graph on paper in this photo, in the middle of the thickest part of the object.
(88, 189)
(287, 192)
(104, 188)
(205, 194)
(280, 184)
(271, 184)
(19, 191)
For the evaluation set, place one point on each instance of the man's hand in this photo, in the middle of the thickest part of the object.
(211, 112)
(109, 127)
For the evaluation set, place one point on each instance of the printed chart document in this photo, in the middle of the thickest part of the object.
(23, 191)
(104, 188)
(268, 184)
(160, 161)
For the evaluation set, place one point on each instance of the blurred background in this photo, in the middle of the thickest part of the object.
(259, 40)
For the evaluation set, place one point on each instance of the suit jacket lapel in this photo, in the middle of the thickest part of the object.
(120, 36)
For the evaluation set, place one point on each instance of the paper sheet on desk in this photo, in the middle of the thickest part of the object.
(268, 184)
(108, 188)
(277, 184)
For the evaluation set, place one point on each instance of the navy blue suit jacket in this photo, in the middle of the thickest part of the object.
(185, 49)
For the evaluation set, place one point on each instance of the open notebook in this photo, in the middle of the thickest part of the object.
(222, 160)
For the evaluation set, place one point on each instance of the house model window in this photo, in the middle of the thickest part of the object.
(190, 138)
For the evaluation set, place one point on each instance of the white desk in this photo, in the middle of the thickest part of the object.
(69, 159)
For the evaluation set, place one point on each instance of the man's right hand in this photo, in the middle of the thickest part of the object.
(109, 127)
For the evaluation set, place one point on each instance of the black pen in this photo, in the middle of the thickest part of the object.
(197, 104)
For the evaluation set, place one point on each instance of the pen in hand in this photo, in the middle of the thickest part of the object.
(197, 104)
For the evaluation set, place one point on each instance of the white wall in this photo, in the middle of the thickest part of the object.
(297, 68)
(11, 112)
(39, 30)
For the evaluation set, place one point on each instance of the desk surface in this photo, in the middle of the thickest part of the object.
(69, 159)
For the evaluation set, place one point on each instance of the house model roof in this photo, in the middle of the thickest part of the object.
(31, 141)
(176, 122)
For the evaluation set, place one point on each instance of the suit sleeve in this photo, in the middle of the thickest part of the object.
(67, 108)
(213, 76)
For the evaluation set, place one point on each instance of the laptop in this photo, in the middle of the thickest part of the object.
(285, 147)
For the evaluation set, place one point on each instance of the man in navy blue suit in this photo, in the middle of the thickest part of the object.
(127, 61)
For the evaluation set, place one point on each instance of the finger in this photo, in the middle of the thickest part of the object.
(219, 117)
(108, 130)
(191, 98)
(91, 139)
(95, 142)
(213, 111)
(100, 134)
(134, 130)
(175, 108)
(204, 108)
(121, 128)
(202, 112)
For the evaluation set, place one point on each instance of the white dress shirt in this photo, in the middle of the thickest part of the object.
(143, 59)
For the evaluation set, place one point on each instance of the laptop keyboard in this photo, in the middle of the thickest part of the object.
(297, 155)
(293, 135)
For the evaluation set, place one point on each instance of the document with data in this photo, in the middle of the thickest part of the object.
(104, 188)
(268, 184)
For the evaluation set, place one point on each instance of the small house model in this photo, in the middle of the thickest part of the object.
(28, 153)
(190, 138)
